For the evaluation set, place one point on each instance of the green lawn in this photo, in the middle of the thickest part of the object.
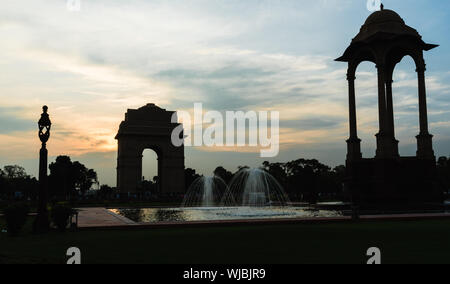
(400, 242)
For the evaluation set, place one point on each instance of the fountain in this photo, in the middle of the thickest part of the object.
(255, 188)
(252, 194)
(205, 192)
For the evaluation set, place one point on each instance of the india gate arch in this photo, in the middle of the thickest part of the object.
(149, 127)
(385, 40)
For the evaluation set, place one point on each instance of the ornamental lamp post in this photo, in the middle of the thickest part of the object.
(42, 221)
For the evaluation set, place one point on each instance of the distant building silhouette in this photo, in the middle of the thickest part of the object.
(385, 39)
(149, 127)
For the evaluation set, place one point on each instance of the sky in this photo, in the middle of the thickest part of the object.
(90, 66)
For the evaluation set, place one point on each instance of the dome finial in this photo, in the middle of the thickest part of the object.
(382, 7)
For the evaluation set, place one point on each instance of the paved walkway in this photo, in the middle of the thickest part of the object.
(101, 218)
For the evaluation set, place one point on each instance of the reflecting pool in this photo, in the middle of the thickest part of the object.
(155, 215)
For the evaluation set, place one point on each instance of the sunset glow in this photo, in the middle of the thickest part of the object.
(91, 66)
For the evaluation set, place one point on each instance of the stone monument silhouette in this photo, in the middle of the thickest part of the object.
(384, 40)
(149, 127)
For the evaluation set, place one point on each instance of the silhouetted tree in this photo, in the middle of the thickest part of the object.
(278, 171)
(61, 180)
(105, 192)
(84, 177)
(14, 172)
(67, 177)
(2, 183)
(339, 173)
(14, 179)
(301, 179)
(307, 179)
(189, 177)
(149, 186)
(242, 168)
(223, 174)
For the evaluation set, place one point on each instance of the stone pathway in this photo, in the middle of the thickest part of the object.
(101, 217)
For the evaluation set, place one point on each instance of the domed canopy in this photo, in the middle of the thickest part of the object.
(383, 16)
(385, 21)
(384, 25)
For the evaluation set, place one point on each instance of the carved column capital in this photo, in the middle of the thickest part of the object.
(421, 68)
(351, 77)
(381, 66)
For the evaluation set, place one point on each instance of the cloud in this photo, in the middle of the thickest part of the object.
(91, 66)
(12, 122)
(313, 123)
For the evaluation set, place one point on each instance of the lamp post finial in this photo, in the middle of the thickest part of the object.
(44, 124)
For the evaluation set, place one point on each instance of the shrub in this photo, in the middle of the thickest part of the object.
(16, 217)
(60, 216)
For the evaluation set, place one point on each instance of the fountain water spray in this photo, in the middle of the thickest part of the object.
(255, 188)
(205, 192)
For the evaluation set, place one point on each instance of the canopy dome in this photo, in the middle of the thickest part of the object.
(384, 26)
(384, 16)
(387, 22)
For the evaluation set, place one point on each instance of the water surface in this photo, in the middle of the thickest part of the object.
(155, 215)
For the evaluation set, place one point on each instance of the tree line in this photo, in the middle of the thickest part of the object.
(67, 180)
(302, 179)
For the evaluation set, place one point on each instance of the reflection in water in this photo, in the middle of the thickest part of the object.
(132, 214)
(167, 215)
(156, 215)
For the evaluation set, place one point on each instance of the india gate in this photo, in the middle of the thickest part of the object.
(384, 40)
(149, 127)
